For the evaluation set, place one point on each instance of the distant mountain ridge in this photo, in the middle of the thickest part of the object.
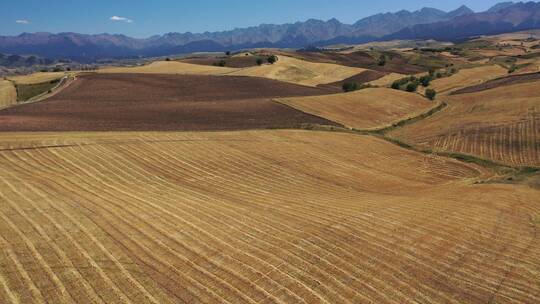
(504, 17)
(423, 23)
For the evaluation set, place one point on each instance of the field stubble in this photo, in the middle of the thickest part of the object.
(255, 217)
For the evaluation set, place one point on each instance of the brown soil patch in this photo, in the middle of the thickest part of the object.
(163, 102)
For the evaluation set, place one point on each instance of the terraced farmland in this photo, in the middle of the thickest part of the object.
(365, 109)
(256, 217)
(501, 124)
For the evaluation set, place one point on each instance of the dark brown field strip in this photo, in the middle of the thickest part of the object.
(499, 82)
(142, 102)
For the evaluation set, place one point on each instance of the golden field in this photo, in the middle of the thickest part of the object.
(8, 93)
(256, 217)
(301, 72)
(467, 77)
(372, 108)
(500, 124)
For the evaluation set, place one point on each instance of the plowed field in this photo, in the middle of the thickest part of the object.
(108, 102)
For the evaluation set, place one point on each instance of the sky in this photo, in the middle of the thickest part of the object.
(144, 18)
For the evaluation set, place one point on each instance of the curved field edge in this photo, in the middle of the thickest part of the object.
(499, 124)
(368, 109)
(244, 217)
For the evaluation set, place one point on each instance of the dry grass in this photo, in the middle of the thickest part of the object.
(501, 124)
(364, 109)
(170, 67)
(8, 94)
(467, 77)
(37, 77)
(302, 72)
(255, 217)
(387, 80)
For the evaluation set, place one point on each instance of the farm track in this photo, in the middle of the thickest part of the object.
(244, 217)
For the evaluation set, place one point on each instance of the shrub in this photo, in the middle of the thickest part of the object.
(228, 53)
(396, 85)
(382, 60)
(425, 80)
(167, 59)
(350, 86)
(411, 87)
(431, 94)
(512, 69)
(272, 59)
(260, 61)
(220, 63)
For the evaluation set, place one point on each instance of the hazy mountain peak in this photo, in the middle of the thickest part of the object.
(500, 6)
(462, 10)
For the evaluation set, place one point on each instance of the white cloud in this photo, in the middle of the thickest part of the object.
(22, 21)
(118, 18)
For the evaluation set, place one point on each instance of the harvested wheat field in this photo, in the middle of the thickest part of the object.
(256, 217)
(387, 80)
(500, 124)
(302, 72)
(37, 77)
(8, 94)
(468, 77)
(134, 102)
(170, 67)
(364, 109)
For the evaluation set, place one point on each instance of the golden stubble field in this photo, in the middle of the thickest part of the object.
(287, 69)
(8, 94)
(371, 108)
(500, 124)
(256, 217)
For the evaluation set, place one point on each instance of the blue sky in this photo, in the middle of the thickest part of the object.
(140, 18)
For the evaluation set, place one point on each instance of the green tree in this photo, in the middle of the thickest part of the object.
(412, 87)
(228, 53)
(260, 61)
(350, 86)
(425, 80)
(221, 63)
(396, 85)
(382, 60)
(431, 94)
(272, 59)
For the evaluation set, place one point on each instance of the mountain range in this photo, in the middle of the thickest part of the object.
(427, 23)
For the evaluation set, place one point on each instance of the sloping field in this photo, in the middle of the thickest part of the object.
(387, 80)
(170, 67)
(8, 94)
(302, 72)
(467, 77)
(499, 82)
(501, 124)
(364, 109)
(256, 217)
(109, 102)
(37, 77)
